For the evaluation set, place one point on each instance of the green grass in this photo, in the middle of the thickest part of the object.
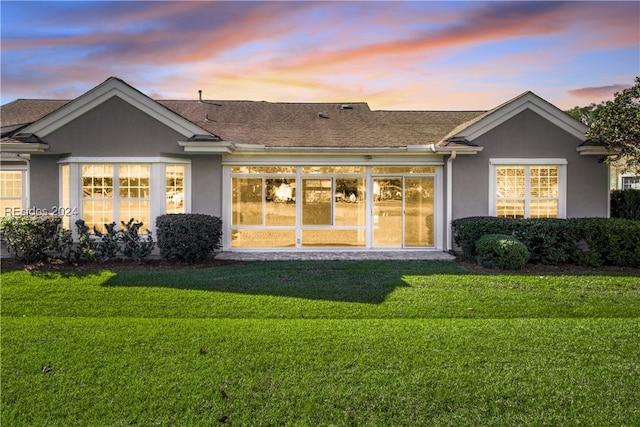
(320, 343)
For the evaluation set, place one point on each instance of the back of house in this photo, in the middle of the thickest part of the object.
(296, 176)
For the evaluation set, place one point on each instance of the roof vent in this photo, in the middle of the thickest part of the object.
(346, 107)
(321, 115)
(200, 95)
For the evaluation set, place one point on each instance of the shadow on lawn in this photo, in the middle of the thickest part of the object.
(367, 282)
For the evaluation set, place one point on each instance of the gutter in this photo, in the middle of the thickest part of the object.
(450, 160)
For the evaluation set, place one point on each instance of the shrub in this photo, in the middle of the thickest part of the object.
(188, 237)
(613, 241)
(86, 247)
(501, 251)
(586, 241)
(467, 231)
(30, 236)
(134, 244)
(625, 204)
(107, 244)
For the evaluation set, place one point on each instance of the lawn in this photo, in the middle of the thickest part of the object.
(375, 343)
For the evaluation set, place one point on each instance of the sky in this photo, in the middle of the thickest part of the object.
(402, 55)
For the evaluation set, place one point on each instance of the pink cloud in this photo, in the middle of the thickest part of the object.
(602, 92)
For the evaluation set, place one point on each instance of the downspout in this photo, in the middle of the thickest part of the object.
(450, 160)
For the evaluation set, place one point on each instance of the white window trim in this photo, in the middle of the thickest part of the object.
(625, 175)
(227, 205)
(157, 175)
(24, 177)
(562, 180)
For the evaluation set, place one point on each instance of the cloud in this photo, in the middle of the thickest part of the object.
(602, 92)
(392, 54)
(493, 21)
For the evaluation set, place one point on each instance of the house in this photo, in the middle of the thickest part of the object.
(296, 176)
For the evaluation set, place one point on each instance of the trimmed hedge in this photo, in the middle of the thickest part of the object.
(625, 204)
(188, 237)
(501, 251)
(584, 241)
(602, 241)
(30, 236)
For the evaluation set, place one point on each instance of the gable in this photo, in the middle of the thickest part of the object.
(528, 101)
(528, 135)
(111, 88)
(114, 128)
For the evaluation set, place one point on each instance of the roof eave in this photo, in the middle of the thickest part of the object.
(208, 147)
(459, 149)
(594, 150)
(23, 147)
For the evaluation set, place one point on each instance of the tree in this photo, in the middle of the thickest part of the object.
(587, 115)
(617, 126)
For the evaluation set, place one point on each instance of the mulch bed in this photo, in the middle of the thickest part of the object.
(12, 264)
(116, 265)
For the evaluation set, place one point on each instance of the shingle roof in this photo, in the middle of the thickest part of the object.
(25, 111)
(289, 124)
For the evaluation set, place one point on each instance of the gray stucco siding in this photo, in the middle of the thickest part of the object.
(206, 185)
(529, 136)
(43, 182)
(117, 129)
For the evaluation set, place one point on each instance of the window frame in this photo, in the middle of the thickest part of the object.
(24, 196)
(632, 185)
(72, 194)
(561, 164)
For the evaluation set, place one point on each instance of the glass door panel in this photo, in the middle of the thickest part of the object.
(316, 202)
(418, 211)
(387, 212)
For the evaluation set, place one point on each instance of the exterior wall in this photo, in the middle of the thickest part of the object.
(530, 136)
(206, 187)
(117, 129)
(43, 182)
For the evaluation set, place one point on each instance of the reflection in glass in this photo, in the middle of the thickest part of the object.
(174, 187)
(263, 237)
(316, 201)
(280, 201)
(329, 170)
(333, 237)
(350, 201)
(246, 203)
(387, 211)
(403, 170)
(418, 211)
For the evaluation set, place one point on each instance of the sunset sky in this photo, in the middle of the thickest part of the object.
(394, 55)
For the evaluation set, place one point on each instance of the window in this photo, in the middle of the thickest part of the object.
(100, 185)
(527, 190)
(630, 183)
(12, 192)
(175, 189)
(105, 192)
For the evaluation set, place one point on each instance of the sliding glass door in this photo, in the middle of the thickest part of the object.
(403, 214)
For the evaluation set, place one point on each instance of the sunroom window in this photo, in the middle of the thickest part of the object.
(527, 190)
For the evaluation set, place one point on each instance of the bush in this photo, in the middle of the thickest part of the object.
(134, 245)
(585, 241)
(625, 204)
(86, 249)
(188, 237)
(501, 251)
(613, 241)
(467, 231)
(30, 236)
